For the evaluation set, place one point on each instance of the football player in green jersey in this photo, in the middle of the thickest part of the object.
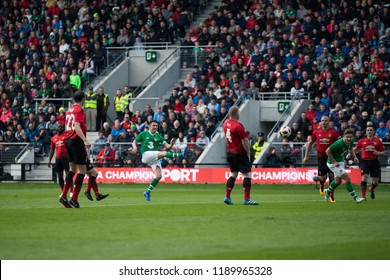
(336, 154)
(150, 142)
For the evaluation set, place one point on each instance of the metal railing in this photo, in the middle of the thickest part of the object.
(114, 52)
(54, 101)
(156, 73)
(287, 96)
(220, 125)
(12, 152)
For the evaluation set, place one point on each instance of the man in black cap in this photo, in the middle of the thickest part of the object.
(259, 145)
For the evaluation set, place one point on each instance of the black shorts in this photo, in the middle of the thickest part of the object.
(89, 165)
(370, 167)
(323, 168)
(239, 163)
(62, 164)
(76, 151)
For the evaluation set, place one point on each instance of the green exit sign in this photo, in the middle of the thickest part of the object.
(151, 56)
(282, 106)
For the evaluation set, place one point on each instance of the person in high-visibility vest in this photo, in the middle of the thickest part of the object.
(90, 107)
(103, 103)
(127, 96)
(119, 104)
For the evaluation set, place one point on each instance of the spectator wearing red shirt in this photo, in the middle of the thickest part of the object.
(54, 9)
(311, 113)
(178, 106)
(106, 155)
(370, 31)
(377, 64)
(61, 115)
(33, 40)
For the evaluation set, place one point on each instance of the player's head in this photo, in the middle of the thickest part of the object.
(325, 122)
(61, 128)
(79, 96)
(234, 113)
(153, 126)
(348, 135)
(370, 131)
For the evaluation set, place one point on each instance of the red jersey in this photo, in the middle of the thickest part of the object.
(324, 139)
(75, 114)
(234, 132)
(369, 146)
(58, 142)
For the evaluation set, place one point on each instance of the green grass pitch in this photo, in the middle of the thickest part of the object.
(192, 222)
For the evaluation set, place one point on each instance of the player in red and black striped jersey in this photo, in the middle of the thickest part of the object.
(57, 146)
(324, 136)
(76, 145)
(238, 156)
(371, 148)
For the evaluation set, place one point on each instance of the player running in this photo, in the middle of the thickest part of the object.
(150, 142)
(238, 156)
(324, 136)
(76, 145)
(371, 147)
(336, 154)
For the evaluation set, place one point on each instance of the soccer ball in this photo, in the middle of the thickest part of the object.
(285, 131)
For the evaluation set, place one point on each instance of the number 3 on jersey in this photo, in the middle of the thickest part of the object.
(228, 136)
(69, 122)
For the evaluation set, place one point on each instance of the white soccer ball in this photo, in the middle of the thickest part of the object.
(285, 131)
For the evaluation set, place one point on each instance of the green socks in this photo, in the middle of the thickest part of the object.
(172, 155)
(351, 190)
(348, 185)
(152, 185)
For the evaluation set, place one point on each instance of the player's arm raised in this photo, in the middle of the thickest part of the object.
(80, 133)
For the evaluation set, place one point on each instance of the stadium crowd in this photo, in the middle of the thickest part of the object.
(337, 51)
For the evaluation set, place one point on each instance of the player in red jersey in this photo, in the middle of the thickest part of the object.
(57, 146)
(76, 145)
(324, 136)
(238, 156)
(371, 148)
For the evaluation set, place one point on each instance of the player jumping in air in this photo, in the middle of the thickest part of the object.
(150, 142)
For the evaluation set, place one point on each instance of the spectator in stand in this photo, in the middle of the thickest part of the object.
(259, 145)
(106, 155)
(106, 129)
(382, 130)
(202, 141)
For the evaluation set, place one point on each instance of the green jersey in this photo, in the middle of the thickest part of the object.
(150, 142)
(339, 149)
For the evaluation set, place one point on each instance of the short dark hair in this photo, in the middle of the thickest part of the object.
(79, 96)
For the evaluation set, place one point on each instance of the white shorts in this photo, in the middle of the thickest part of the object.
(151, 158)
(337, 171)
